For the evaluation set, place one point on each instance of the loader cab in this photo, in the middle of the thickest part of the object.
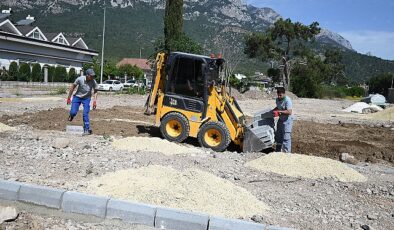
(189, 75)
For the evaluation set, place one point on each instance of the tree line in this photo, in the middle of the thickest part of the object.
(35, 73)
(305, 71)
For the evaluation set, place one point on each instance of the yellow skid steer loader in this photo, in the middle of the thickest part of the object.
(190, 100)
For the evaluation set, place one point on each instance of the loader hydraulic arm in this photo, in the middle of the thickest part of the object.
(157, 84)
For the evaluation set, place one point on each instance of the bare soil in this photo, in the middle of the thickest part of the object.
(329, 140)
(123, 121)
(369, 144)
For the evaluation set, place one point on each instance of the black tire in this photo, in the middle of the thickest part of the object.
(110, 89)
(214, 135)
(175, 127)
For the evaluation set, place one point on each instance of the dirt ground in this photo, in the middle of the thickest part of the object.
(311, 138)
(28, 154)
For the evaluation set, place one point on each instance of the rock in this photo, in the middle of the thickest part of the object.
(8, 214)
(387, 126)
(372, 217)
(369, 191)
(236, 177)
(366, 227)
(87, 147)
(347, 158)
(61, 143)
(258, 218)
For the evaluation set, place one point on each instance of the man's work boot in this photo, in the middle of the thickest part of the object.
(70, 118)
(87, 132)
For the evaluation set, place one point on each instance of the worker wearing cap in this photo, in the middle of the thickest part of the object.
(283, 110)
(86, 84)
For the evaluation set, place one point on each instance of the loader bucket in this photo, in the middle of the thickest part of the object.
(260, 134)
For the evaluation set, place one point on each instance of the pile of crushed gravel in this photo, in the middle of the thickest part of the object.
(295, 165)
(4, 128)
(385, 115)
(191, 189)
(154, 144)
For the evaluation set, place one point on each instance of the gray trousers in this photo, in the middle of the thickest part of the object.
(283, 135)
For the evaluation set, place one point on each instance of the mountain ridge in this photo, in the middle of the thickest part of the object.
(133, 26)
(237, 10)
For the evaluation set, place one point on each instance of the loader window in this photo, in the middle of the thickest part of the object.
(187, 78)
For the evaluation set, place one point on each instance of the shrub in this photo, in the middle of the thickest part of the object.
(381, 83)
(306, 86)
(131, 70)
(13, 71)
(135, 90)
(51, 73)
(36, 73)
(72, 75)
(60, 90)
(355, 91)
(24, 72)
(333, 92)
(60, 74)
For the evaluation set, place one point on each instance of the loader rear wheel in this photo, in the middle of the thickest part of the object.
(175, 127)
(214, 135)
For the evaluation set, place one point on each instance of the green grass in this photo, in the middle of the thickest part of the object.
(59, 90)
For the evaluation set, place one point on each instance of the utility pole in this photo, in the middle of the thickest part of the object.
(102, 51)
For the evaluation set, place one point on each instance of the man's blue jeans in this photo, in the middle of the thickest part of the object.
(76, 102)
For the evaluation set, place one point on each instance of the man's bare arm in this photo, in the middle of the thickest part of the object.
(95, 92)
(71, 91)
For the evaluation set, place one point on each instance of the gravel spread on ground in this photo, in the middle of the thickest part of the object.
(31, 99)
(4, 128)
(386, 115)
(191, 189)
(295, 165)
(154, 144)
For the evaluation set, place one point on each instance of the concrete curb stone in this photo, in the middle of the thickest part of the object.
(131, 212)
(104, 207)
(45, 196)
(75, 202)
(180, 220)
(219, 223)
(9, 190)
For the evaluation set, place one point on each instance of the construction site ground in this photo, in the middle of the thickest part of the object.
(29, 153)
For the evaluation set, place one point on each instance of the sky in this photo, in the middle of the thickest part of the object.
(367, 24)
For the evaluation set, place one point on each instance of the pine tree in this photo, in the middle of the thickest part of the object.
(173, 23)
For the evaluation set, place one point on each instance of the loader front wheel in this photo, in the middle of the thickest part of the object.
(214, 135)
(175, 127)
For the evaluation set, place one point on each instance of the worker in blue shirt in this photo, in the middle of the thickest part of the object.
(283, 110)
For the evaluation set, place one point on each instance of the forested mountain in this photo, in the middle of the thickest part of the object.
(133, 26)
